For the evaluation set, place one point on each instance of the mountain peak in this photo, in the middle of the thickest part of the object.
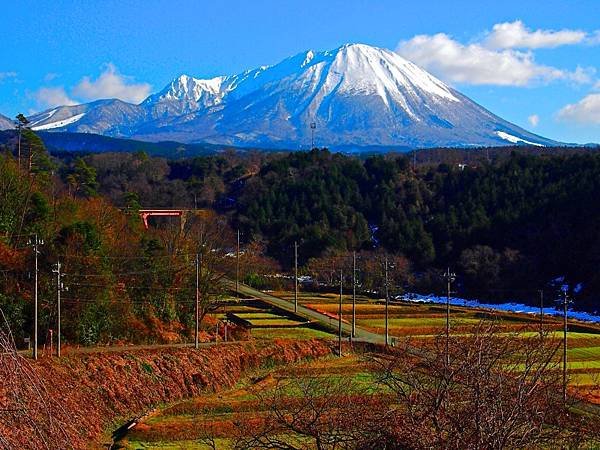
(357, 94)
(359, 46)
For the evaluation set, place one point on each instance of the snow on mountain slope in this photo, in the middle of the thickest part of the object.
(59, 124)
(6, 123)
(514, 139)
(110, 117)
(357, 95)
(185, 94)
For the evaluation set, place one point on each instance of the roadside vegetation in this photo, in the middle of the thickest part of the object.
(511, 227)
(491, 393)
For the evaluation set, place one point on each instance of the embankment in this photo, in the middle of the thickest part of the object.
(84, 394)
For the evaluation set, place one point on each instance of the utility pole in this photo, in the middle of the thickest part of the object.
(353, 294)
(313, 126)
(565, 305)
(35, 243)
(197, 313)
(237, 267)
(387, 303)
(450, 277)
(541, 291)
(340, 315)
(295, 276)
(59, 288)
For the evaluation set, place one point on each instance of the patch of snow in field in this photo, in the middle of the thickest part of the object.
(508, 307)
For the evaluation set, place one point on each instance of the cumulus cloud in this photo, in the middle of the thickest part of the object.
(585, 111)
(475, 63)
(581, 75)
(594, 38)
(50, 76)
(502, 57)
(517, 35)
(7, 76)
(533, 120)
(111, 84)
(49, 97)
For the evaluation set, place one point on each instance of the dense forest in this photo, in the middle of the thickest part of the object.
(509, 221)
(508, 228)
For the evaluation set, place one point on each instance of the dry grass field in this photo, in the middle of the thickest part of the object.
(186, 425)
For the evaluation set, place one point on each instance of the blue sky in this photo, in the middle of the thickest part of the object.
(534, 63)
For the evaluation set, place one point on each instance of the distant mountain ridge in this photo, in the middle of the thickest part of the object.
(356, 96)
(6, 123)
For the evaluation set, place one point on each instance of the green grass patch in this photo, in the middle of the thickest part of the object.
(583, 353)
(176, 445)
(275, 322)
(289, 333)
(415, 322)
(259, 315)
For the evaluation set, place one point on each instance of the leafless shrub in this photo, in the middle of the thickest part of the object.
(497, 391)
(312, 413)
(27, 415)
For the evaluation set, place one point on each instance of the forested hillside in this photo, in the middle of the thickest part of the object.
(508, 226)
(515, 225)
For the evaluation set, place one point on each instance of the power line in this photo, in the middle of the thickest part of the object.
(75, 301)
(122, 274)
(450, 278)
(114, 286)
(124, 257)
(35, 243)
(340, 314)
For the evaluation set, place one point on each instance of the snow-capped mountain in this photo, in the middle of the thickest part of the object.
(185, 95)
(5, 123)
(356, 95)
(109, 117)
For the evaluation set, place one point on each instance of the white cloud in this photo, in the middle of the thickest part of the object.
(597, 85)
(516, 35)
(581, 75)
(585, 111)
(7, 75)
(475, 63)
(111, 84)
(49, 97)
(594, 38)
(533, 120)
(50, 76)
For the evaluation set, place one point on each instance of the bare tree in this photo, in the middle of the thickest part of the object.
(312, 413)
(498, 391)
(29, 418)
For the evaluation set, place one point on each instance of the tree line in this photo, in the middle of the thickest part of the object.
(509, 226)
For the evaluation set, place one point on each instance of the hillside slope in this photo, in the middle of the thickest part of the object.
(81, 395)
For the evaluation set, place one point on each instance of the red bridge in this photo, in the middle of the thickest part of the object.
(158, 212)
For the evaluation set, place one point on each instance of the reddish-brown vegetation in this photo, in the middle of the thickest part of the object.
(87, 393)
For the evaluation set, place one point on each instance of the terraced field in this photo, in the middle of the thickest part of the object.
(230, 415)
(423, 322)
(265, 322)
(222, 419)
